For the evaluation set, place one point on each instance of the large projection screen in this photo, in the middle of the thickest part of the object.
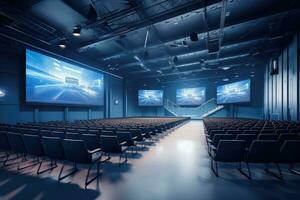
(150, 97)
(234, 92)
(190, 96)
(53, 81)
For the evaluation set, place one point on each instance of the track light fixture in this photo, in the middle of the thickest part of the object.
(62, 44)
(77, 30)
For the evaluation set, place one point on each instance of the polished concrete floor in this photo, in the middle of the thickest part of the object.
(176, 167)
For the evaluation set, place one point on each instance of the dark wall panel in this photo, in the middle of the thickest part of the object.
(282, 98)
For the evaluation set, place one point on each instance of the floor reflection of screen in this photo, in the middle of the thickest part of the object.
(49, 80)
(234, 92)
(190, 96)
(150, 97)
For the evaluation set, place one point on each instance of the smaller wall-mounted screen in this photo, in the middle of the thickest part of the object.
(53, 81)
(234, 92)
(190, 96)
(150, 97)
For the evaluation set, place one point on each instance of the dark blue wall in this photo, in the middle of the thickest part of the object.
(254, 109)
(13, 108)
(281, 97)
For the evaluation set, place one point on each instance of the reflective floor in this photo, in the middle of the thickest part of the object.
(176, 167)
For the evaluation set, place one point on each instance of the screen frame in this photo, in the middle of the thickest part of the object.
(67, 60)
(191, 105)
(239, 102)
(163, 98)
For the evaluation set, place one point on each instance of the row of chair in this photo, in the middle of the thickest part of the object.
(251, 146)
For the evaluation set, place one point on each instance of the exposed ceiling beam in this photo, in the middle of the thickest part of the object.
(177, 11)
(229, 24)
(197, 52)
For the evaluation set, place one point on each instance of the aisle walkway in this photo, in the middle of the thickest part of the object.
(177, 167)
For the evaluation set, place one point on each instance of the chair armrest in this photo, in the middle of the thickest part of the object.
(213, 147)
(209, 140)
(123, 143)
(135, 137)
(94, 151)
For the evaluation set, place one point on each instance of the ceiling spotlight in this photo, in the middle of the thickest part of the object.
(77, 30)
(62, 44)
(225, 68)
(225, 79)
(252, 75)
(236, 76)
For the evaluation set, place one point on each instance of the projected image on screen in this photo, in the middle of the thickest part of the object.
(150, 97)
(49, 80)
(234, 92)
(190, 96)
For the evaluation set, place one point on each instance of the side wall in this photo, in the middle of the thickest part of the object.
(281, 97)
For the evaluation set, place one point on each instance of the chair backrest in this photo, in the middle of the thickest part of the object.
(212, 133)
(16, 142)
(286, 136)
(106, 132)
(91, 141)
(263, 151)
(76, 151)
(124, 136)
(33, 145)
(248, 138)
(252, 132)
(281, 131)
(53, 148)
(110, 144)
(4, 143)
(289, 152)
(230, 150)
(234, 132)
(267, 137)
(58, 134)
(75, 136)
(219, 137)
(267, 131)
(45, 133)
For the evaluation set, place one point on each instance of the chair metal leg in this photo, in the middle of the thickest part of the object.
(125, 161)
(279, 175)
(27, 166)
(87, 181)
(52, 166)
(215, 171)
(60, 177)
(294, 171)
(244, 173)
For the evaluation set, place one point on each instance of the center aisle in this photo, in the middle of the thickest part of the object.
(168, 170)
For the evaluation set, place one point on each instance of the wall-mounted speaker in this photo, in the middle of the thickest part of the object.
(274, 67)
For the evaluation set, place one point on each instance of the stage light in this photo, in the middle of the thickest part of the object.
(62, 44)
(77, 30)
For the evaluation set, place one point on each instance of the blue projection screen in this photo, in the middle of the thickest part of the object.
(234, 92)
(52, 81)
(190, 96)
(150, 97)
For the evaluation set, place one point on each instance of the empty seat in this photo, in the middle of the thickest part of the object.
(76, 152)
(248, 138)
(268, 137)
(228, 151)
(91, 141)
(290, 154)
(111, 145)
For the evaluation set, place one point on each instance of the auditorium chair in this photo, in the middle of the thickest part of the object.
(4, 146)
(264, 152)
(267, 137)
(212, 144)
(287, 136)
(17, 144)
(34, 148)
(228, 151)
(290, 154)
(58, 134)
(45, 133)
(128, 138)
(252, 132)
(53, 149)
(76, 152)
(70, 135)
(110, 145)
(91, 141)
(248, 138)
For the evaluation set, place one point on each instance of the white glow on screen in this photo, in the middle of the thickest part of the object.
(2, 93)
